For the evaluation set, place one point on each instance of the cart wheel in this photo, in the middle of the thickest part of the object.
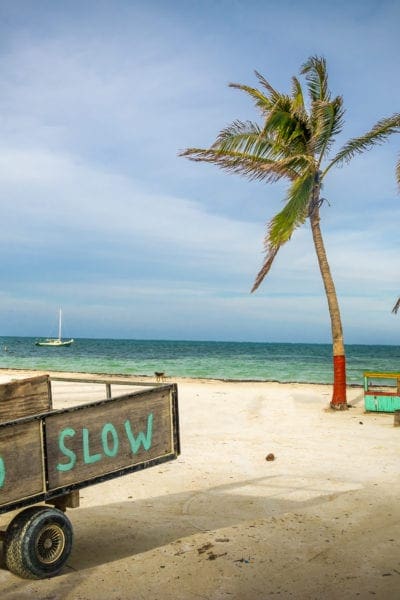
(38, 542)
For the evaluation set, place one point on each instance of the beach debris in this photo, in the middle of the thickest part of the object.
(212, 556)
(246, 561)
(270, 457)
(204, 548)
(222, 540)
(360, 423)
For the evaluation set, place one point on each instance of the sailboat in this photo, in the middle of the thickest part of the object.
(56, 342)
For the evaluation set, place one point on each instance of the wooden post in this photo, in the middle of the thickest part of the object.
(108, 390)
(70, 500)
(396, 418)
(25, 397)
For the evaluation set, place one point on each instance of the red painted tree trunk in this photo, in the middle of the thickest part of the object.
(339, 383)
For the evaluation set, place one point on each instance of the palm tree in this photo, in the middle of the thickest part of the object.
(293, 143)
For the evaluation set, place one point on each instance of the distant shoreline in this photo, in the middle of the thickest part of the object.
(148, 378)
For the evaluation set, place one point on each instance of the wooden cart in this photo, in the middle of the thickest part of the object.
(47, 456)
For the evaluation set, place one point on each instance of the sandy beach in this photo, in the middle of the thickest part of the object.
(320, 521)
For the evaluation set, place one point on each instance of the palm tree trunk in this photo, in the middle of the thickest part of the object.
(339, 360)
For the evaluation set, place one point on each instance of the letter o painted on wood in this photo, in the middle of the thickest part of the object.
(107, 431)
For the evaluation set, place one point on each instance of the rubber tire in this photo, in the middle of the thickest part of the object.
(26, 532)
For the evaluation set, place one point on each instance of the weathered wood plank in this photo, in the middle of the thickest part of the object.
(25, 397)
(382, 374)
(97, 439)
(21, 461)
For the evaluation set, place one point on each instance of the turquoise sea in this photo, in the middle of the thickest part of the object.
(311, 363)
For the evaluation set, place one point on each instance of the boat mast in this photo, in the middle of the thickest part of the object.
(59, 325)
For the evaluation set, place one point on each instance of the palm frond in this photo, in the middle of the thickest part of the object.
(263, 156)
(254, 168)
(245, 137)
(289, 132)
(298, 163)
(271, 253)
(297, 97)
(262, 102)
(327, 118)
(298, 107)
(377, 135)
(280, 122)
(316, 75)
(285, 222)
(294, 212)
(396, 307)
(273, 94)
(285, 117)
(238, 128)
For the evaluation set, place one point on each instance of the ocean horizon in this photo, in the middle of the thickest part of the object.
(238, 361)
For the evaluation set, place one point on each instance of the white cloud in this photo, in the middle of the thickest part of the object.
(114, 213)
(97, 209)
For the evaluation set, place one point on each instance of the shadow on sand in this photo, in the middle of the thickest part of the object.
(111, 532)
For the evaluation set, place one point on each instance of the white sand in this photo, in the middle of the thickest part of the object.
(321, 521)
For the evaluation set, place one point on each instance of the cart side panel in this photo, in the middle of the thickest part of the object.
(21, 461)
(96, 440)
(25, 397)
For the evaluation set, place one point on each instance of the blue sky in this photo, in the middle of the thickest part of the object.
(101, 216)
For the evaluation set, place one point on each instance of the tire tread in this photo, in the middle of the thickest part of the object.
(16, 541)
